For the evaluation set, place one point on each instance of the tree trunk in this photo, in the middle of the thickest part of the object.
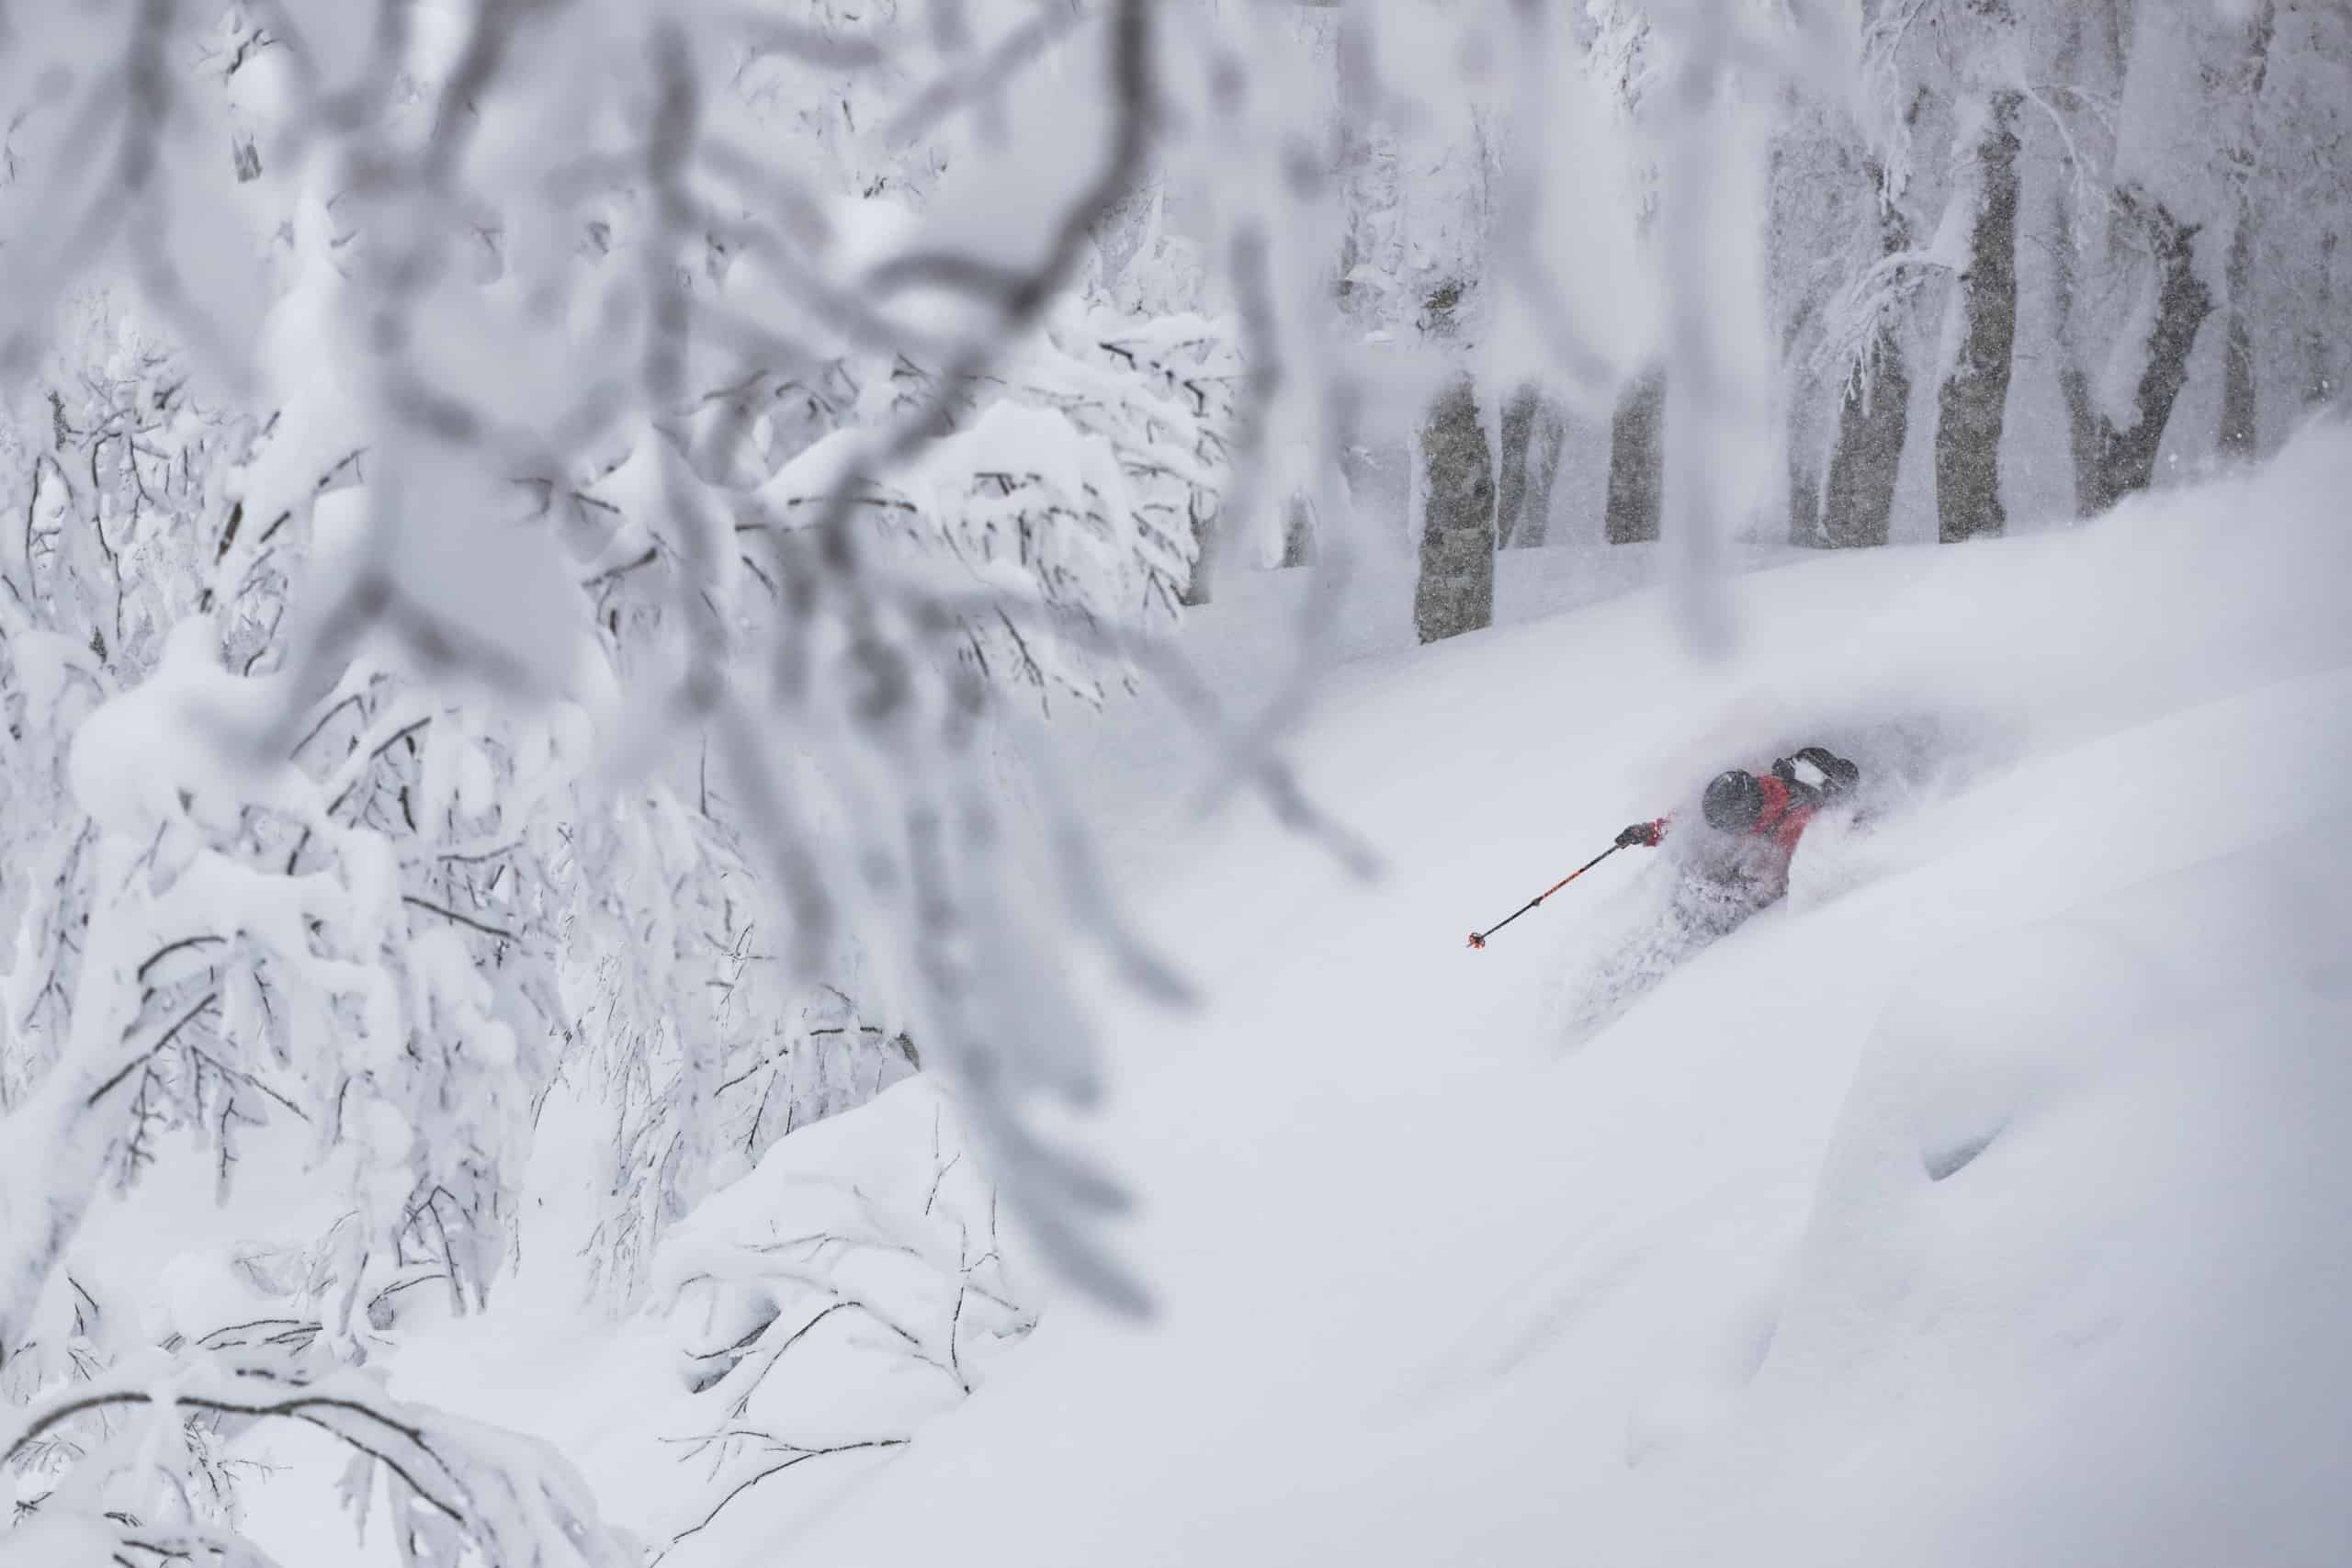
(2082, 431)
(1873, 421)
(1858, 504)
(2074, 382)
(2237, 436)
(1204, 530)
(1298, 531)
(2127, 458)
(1543, 472)
(1972, 400)
(1455, 592)
(1510, 471)
(2320, 382)
(1804, 504)
(1637, 461)
(1532, 434)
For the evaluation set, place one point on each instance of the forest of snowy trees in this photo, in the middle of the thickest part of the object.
(524, 522)
(2004, 255)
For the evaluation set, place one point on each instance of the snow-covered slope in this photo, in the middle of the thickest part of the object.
(1981, 1204)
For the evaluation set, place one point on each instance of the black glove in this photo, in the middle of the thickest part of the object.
(1818, 771)
(1643, 833)
(1841, 776)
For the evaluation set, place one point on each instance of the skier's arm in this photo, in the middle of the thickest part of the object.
(1645, 834)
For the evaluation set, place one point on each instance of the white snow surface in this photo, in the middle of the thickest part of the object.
(1983, 1202)
(1436, 1291)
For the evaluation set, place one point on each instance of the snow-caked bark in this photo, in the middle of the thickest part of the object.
(1456, 592)
(1974, 398)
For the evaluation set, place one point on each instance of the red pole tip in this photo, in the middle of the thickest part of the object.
(1477, 941)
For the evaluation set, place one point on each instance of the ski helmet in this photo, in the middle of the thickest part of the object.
(1734, 801)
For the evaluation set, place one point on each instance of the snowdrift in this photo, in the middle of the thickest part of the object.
(1981, 1203)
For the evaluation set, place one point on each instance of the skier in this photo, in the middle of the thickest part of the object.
(1776, 809)
(1726, 876)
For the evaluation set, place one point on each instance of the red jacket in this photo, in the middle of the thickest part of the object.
(1782, 819)
(1785, 813)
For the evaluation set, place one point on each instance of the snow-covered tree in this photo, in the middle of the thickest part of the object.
(2025, 145)
(394, 660)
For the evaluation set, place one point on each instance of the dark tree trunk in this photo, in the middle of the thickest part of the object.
(2074, 382)
(1517, 428)
(1637, 461)
(2320, 381)
(1510, 471)
(1203, 520)
(1532, 434)
(2237, 436)
(1804, 504)
(2082, 431)
(2111, 463)
(2127, 458)
(1873, 421)
(1858, 504)
(1543, 472)
(1298, 531)
(1455, 592)
(1972, 400)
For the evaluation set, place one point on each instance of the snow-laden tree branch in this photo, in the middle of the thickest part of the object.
(396, 665)
(448, 1486)
(821, 1311)
(772, 507)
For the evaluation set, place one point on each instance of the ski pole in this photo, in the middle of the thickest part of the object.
(1478, 939)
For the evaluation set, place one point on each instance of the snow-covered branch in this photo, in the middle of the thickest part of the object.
(449, 1487)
